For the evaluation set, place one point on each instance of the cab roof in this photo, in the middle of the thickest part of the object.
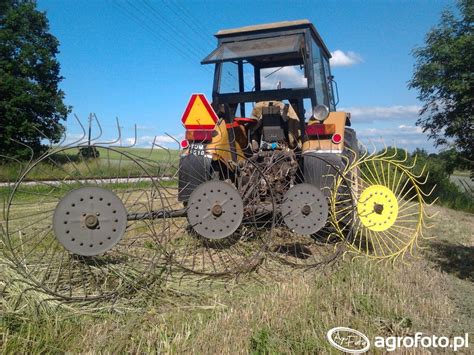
(274, 27)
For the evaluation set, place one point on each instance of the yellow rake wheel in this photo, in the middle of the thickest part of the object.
(377, 208)
(387, 217)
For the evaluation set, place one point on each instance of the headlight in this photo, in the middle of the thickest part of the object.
(320, 112)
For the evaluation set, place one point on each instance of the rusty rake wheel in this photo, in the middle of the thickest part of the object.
(227, 220)
(303, 186)
(387, 219)
(70, 232)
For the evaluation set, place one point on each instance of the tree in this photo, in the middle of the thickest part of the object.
(31, 103)
(444, 78)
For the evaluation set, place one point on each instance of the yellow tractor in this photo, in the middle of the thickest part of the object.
(273, 110)
(274, 141)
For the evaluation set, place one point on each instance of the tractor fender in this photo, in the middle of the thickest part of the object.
(351, 145)
(320, 170)
(193, 171)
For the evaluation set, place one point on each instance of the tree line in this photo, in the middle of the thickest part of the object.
(32, 104)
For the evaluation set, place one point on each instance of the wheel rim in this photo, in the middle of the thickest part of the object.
(314, 244)
(387, 219)
(221, 253)
(35, 240)
(215, 210)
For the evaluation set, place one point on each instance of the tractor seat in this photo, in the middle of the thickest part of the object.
(241, 121)
(244, 120)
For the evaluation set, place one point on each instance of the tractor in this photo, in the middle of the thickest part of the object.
(288, 129)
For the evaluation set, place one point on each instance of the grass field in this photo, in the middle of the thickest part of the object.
(67, 164)
(278, 310)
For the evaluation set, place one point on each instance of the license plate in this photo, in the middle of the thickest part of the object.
(196, 149)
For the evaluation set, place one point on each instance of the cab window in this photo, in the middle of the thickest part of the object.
(327, 74)
(287, 77)
(320, 77)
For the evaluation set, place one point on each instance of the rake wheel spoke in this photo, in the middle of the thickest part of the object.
(39, 251)
(389, 209)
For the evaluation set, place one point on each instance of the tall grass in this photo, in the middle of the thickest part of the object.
(291, 315)
(111, 163)
(278, 310)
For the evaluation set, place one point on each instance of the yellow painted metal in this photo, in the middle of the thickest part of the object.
(391, 174)
(339, 120)
(377, 208)
(220, 147)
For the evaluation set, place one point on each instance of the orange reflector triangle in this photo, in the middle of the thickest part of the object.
(199, 114)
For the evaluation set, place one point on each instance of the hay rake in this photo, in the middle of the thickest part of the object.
(90, 219)
(98, 227)
(389, 215)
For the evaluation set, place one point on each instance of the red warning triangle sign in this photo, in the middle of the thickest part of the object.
(199, 114)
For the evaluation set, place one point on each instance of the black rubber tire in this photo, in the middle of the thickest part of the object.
(317, 167)
(351, 142)
(193, 171)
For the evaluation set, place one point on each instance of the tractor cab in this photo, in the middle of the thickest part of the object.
(279, 62)
(273, 86)
(273, 104)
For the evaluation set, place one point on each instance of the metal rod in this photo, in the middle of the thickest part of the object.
(250, 210)
(157, 214)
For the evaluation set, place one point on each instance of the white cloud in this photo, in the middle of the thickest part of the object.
(167, 140)
(410, 129)
(389, 125)
(344, 59)
(290, 77)
(159, 140)
(403, 136)
(372, 113)
(390, 131)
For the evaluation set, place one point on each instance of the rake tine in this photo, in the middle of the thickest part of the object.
(77, 142)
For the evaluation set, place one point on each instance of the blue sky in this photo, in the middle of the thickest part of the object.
(140, 59)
